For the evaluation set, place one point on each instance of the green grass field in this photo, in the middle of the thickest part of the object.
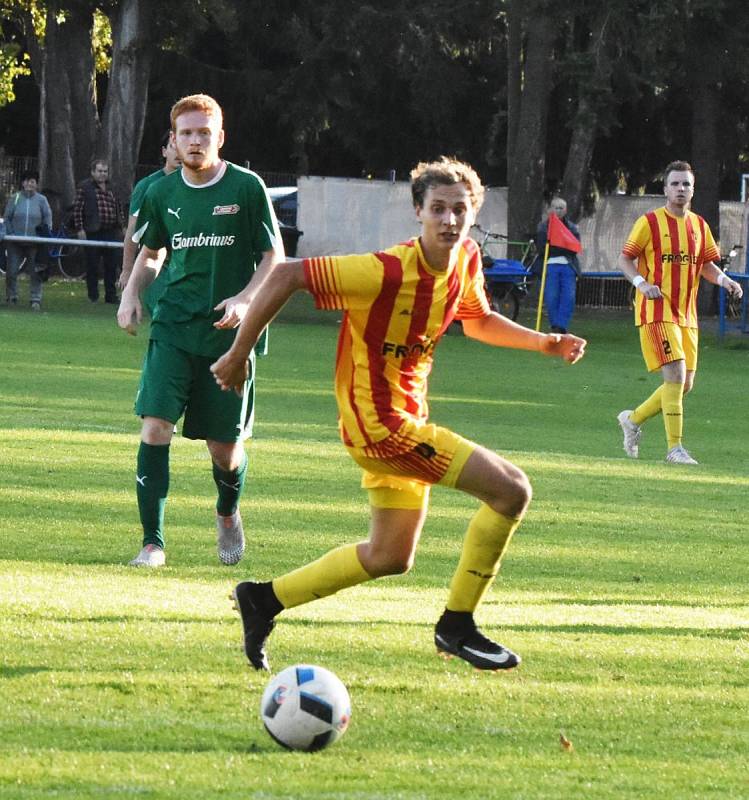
(625, 591)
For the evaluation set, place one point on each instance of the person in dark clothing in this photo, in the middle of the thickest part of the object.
(97, 215)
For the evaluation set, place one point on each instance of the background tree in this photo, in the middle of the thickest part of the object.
(534, 27)
(582, 98)
(64, 40)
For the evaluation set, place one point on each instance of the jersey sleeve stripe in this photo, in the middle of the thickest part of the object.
(631, 249)
(319, 275)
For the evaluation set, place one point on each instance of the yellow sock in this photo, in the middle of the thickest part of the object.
(673, 418)
(649, 408)
(338, 569)
(486, 540)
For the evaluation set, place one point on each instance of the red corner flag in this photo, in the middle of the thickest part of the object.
(560, 236)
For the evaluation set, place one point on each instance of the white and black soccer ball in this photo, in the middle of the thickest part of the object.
(305, 708)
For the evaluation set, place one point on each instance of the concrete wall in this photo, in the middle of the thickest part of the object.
(348, 215)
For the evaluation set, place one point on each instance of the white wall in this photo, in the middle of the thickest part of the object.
(349, 215)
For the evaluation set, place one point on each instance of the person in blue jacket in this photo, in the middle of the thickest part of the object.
(27, 213)
(562, 271)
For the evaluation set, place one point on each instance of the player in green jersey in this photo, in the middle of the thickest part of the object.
(130, 248)
(218, 223)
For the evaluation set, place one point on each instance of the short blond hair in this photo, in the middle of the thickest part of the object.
(445, 171)
(196, 102)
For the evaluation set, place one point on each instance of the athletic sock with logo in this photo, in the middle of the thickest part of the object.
(336, 570)
(152, 486)
(487, 538)
(673, 416)
(649, 408)
(229, 485)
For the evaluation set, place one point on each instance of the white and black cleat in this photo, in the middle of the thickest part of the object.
(472, 646)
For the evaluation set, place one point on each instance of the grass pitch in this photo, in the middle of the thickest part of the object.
(625, 591)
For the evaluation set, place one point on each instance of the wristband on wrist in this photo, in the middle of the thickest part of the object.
(637, 280)
(722, 280)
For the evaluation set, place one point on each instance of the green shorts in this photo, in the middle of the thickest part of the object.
(175, 382)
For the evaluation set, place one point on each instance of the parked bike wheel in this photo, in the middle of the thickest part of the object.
(504, 302)
(71, 263)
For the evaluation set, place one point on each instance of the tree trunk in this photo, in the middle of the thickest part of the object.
(526, 164)
(577, 169)
(706, 156)
(64, 72)
(127, 92)
(514, 74)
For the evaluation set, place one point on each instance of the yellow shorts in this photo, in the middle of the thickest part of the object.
(399, 471)
(664, 342)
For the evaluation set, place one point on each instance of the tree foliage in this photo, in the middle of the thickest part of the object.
(580, 98)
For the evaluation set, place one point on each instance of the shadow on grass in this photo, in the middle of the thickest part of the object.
(585, 628)
(21, 672)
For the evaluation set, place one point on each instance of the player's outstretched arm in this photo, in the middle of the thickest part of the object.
(499, 331)
(230, 371)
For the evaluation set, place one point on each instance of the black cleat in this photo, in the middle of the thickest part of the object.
(472, 646)
(257, 626)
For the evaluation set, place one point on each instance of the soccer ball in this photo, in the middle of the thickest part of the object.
(305, 708)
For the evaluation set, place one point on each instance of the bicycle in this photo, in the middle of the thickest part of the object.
(507, 280)
(67, 258)
(734, 305)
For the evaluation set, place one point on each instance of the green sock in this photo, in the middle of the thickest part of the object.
(229, 485)
(152, 488)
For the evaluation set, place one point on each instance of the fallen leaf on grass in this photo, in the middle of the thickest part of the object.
(565, 743)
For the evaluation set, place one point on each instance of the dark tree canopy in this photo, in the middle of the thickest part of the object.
(581, 98)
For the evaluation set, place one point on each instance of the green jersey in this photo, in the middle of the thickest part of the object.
(216, 234)
(139, 191)
(152, 294)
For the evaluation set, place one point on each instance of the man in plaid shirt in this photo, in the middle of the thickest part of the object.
(98, 215)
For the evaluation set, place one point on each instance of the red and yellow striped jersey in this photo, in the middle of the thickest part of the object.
(670, 253)
(396, 309)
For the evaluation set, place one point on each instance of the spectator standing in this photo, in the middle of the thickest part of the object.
(27, 213)
(97, 215)
(562, 270)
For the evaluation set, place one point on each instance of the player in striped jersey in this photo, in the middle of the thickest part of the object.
(666, 253)
(397, 304)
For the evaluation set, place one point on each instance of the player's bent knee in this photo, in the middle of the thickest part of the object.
(513, 494)
(522, 493)
(379, 563)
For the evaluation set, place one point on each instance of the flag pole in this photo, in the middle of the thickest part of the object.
(543, 286)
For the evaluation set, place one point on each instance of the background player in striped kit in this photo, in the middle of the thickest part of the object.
(666, 253)
(398, 303)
